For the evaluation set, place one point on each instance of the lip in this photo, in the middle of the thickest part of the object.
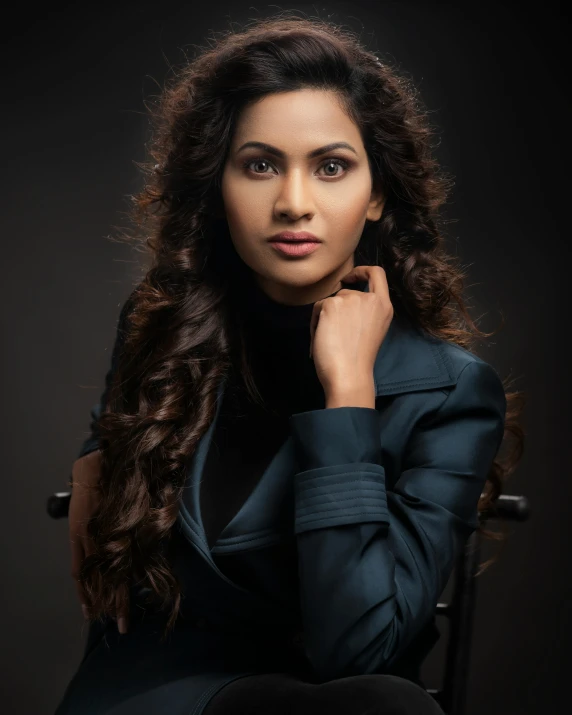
(295, 248)
(294, 236)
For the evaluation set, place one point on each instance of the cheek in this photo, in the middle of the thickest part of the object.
(242, 216)
(347, 219)
(348, 204)
(244, 209)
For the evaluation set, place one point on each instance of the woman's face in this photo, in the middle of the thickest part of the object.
(282, 188)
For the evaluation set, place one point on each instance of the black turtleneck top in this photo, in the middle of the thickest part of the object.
(248, 435)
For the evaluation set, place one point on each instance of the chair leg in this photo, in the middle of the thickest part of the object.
(453, 700)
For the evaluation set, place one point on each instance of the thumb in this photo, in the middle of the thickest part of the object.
(314, 322)
(352, 276)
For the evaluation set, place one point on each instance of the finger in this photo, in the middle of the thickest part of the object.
(122, 613)
(77, 560)
(88, 550)
(375, 275)
(314, 322)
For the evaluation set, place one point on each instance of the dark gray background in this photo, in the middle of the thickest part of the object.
(75, 76)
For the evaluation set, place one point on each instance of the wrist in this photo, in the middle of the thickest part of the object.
(360, 393)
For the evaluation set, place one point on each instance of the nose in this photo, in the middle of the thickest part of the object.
(295, 196)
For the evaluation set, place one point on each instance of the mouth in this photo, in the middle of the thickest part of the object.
(294, 236)
(295, 244)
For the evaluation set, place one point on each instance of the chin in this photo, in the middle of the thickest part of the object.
(296, 273)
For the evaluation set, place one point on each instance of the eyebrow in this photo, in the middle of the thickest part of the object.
(310, 155)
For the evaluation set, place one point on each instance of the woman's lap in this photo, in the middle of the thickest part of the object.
(285, 694)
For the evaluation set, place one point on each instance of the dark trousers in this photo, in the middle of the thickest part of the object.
(283, 694)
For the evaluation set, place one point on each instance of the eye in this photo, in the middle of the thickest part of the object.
(259, 161)
(336, 162)
(326, 163)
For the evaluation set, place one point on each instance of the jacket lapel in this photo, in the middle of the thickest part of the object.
(408, 360)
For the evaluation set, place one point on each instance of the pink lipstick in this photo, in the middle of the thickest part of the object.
(295, 248)
(290, 243)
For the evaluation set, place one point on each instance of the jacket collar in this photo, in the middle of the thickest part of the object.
(410, 359)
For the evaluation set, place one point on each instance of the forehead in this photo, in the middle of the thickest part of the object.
(301, 119)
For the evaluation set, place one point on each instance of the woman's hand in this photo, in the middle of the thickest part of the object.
(83, 505)
(346, 332)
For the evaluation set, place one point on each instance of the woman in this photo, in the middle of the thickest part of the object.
(294, 441)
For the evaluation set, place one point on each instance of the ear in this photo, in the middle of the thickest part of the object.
(376, 204)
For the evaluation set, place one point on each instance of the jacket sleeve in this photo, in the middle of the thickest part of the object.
(92, 442)
(372, 562)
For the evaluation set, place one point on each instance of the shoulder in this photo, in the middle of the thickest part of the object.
(464, 411)
(411, 360)
(476, 384)
(462, 360)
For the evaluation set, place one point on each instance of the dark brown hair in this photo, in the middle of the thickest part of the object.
(179, 340)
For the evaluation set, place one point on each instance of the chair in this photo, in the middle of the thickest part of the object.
(460, 610)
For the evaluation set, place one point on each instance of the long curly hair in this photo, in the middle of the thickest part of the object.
(179, 338)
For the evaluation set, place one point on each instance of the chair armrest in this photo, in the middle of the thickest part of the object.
(508, 507)
(58, 504)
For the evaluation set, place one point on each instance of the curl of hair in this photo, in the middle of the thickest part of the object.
(180, 338)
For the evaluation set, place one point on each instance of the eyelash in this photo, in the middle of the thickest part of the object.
(342, 162)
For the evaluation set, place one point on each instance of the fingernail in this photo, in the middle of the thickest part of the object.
(122, 624)
(85, 611)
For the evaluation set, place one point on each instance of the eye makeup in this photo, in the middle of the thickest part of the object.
(344, 163)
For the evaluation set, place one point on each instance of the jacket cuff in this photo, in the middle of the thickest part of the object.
(341, 480)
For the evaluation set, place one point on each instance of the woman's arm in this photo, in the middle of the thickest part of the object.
(92, 442)
(373, 563)
(86, 475)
